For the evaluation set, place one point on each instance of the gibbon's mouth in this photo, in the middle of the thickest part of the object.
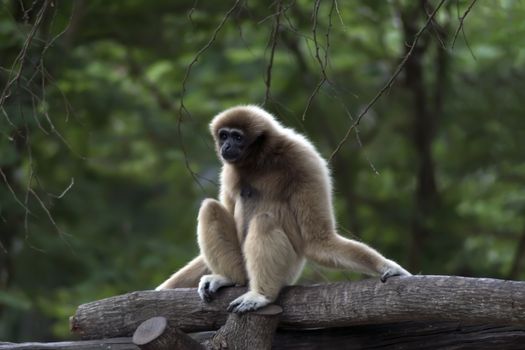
(230, 157)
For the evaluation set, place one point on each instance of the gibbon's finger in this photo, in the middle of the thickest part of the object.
(248, 302)
(207, 294)
(242, 307)
(204, 291)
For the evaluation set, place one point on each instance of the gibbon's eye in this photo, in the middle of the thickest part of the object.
(237, 136)
(223, 135)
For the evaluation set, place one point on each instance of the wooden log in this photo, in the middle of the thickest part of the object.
(406, 335)
(155, 334)
(415, 298)
(254, 330)
(113, 344)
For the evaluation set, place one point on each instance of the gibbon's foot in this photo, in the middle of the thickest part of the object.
(249, 301)
(393, 269)
(210, 284)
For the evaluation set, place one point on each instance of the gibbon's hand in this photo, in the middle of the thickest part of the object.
(210, 284)
(249, 301)
(393, 269)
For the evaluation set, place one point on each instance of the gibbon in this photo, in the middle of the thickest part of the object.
(274, 211)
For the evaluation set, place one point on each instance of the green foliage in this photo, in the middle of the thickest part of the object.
(114, 203)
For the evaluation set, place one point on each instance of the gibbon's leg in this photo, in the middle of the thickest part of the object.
(188, 276)
(339, 252)
(217, 237)
(271, 263)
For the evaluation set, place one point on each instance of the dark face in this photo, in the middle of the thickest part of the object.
(232, 144)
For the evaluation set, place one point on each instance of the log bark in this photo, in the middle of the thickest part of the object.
(113, 344)
(253, 330)
(406, 336)
(400, 299)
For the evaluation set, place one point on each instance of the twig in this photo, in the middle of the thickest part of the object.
(323, 65)
(190, 12)
(48, 213)
(182, 108)
(359, 142)
(389, 82)
(436, 28)
(22, 55)
(461, 22)
(339, 15)
(273, 42)
(6, 181)
(65, 191)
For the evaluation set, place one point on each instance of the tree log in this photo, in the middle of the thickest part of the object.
(113, 344)
(415, 298)
(254, 330)
(156, 334)
(406, 336)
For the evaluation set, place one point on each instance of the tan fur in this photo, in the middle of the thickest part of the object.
(284, 215)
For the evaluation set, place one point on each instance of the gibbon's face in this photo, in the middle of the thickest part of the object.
(232, 144)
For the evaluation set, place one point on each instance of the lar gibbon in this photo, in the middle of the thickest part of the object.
(274, 211)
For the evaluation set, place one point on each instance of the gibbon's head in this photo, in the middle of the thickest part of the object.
(241, 132)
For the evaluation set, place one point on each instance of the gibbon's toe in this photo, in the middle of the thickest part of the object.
(392, 271)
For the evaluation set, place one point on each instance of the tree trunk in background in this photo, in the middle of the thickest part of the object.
(519, 258)
(424, 115)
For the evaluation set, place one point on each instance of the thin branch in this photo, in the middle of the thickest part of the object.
(48, 213)
(65, 191)
(390, 81)
(436, 28)
(273, 43)
(322, 64)
(182, 108)
(461, 22)
(8, 185)
(190, 12)
(359, 142)
(22, 55)
(339, 15)
(26, 199)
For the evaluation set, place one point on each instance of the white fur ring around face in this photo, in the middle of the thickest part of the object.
(249, 301)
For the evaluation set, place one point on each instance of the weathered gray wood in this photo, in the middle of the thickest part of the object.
(156, 334)
(253, 330)
(416, 298)
(405, 335)
(103, 344)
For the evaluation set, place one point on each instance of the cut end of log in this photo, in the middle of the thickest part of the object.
(270, 310)
(73, 325)
(149, 330)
